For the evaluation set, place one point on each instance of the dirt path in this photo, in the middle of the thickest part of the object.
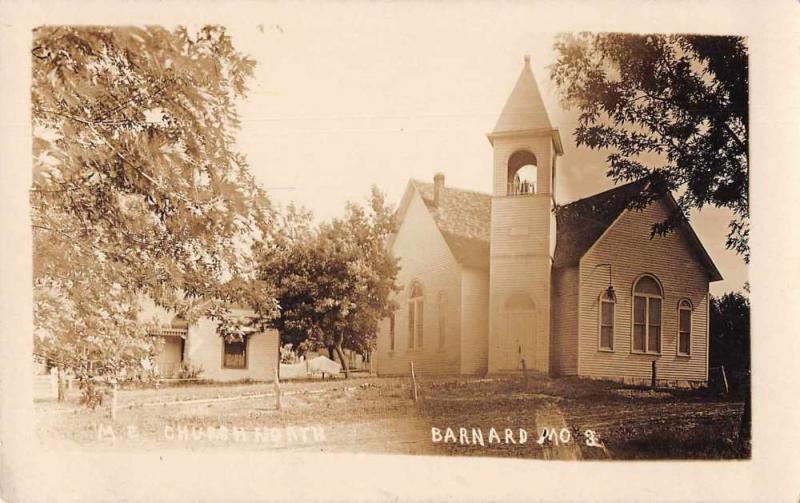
(557, 441)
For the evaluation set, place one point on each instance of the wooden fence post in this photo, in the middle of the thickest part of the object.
(277, 390)
(114, 400)
(525, 373)
(724, 378)
(413, 383)
(653, 376)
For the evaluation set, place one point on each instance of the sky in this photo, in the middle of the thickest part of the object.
(339, 103)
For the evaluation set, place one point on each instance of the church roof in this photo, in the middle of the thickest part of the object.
(580, 223)
(524, 109)
(464, 219)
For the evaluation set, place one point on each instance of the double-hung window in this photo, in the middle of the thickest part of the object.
(684, 327)
(647, 299)
(607, 306)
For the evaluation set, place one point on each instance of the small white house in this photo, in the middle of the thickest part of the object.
(200, 346)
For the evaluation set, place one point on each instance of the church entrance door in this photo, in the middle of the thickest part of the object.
(520, 339)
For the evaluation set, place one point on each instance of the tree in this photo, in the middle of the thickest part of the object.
(136, 187)
(682, 99)
(729, 331)
(333, 282)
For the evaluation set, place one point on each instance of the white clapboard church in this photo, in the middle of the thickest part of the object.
(490, 280)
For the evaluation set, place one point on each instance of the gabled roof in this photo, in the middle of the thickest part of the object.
(464, 219)
(581, 223)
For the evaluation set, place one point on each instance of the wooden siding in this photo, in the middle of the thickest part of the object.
(627, 246)
(520, 264)
(564, 358)
(424, 256)
(541, 145)
(474, 321)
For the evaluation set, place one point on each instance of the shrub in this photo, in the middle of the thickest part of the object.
(189, 371)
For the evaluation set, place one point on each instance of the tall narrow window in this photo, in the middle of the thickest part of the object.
(391, 332)
(442, 306)
(684, 327)
(606, 322)
(647, 297)
(415, 316)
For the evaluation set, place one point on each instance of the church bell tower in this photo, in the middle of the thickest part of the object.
(522, 230)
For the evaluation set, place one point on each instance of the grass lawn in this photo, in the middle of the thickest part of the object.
(377, 415)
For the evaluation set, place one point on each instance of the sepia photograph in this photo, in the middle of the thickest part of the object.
(291, 237)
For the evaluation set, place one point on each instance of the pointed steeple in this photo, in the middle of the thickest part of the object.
(524, 108)
(524, 111)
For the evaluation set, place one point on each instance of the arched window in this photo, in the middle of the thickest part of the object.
(684, 327)
(647, 297)
(607, 306)
(415, 316)
(522, 173)
(442, 307)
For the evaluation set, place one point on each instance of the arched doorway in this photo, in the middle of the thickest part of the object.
(520, 318)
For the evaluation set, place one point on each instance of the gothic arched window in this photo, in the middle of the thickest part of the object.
(415, 316)
(442, 308)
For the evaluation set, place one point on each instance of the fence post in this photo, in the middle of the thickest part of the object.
(525, 373)
(114, 400)
(413, 383)
(724, 378)
(653, 376)
(277, 385)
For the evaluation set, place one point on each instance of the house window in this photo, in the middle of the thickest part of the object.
(607, 305)
(391, 332)
(442, 305)
(647, 297)
(415, 316)
(234, 354)
(684, 327)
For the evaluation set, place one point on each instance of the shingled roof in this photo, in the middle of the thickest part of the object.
(464, 219)
(580, 223)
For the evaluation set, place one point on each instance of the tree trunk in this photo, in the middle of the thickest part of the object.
(341, 359)
(330, 353)
(60, 377)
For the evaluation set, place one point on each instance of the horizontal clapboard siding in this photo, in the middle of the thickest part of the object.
(424, 256)
(565, 321)
(627, 246)
(541, 145)
(520, 264)
(475, 321)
